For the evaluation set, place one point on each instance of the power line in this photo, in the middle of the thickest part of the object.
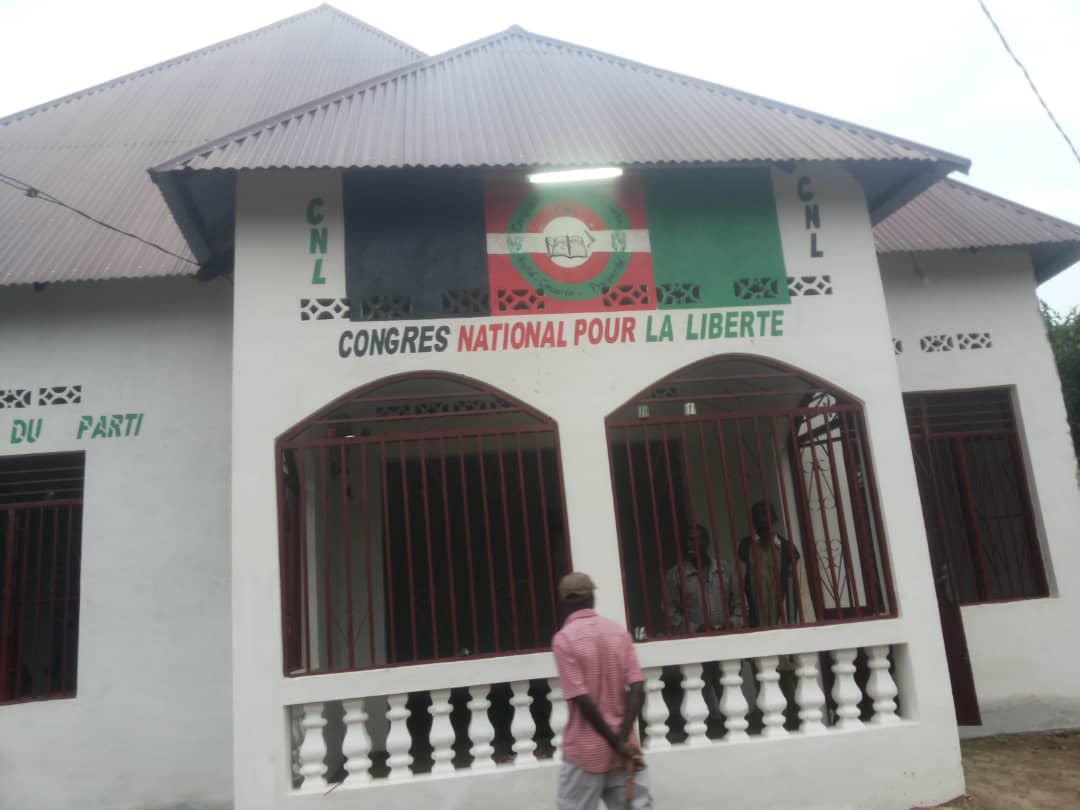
(1030, 81)
(36, 193)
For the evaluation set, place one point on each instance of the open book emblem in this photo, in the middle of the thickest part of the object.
(570, 246)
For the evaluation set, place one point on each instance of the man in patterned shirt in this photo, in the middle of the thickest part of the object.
(603, 685)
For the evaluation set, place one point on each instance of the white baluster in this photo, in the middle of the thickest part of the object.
(522, 727)
(313, 749)
(808, 694)
(770, 698)
(481, 732)
(694, 708)
(881, 687)
(398, 741)
(656, 711)
(733, 703)
(845, 691)
(356, 747)
(442, 732)
(559, 715)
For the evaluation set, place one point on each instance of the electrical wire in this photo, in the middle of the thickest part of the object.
(36, 193)
(1030, 81)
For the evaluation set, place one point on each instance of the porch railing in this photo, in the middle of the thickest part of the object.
(476, 726)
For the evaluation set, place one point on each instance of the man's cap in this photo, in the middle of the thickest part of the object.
(575, 585)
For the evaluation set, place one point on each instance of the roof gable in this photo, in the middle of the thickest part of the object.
(520, 99)
(92, 148)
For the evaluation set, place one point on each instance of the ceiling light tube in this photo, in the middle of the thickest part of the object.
(576, 175)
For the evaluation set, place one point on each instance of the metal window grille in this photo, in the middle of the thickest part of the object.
(975, 497)
(40, 540)
(701, 448)
(421, 519)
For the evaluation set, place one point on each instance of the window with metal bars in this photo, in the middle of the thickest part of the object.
(40, 542)
(421, 519)
(745, 498)
(976, 503)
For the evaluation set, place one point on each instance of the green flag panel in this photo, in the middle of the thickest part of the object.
(715, 239)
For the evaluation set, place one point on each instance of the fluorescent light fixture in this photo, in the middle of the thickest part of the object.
(576, 175)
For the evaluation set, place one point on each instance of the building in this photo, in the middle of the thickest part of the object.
(281, 514)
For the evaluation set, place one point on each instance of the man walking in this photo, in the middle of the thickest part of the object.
(603, 685)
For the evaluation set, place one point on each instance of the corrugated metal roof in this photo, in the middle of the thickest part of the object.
(956, 216)
(91, 149)
(518, 99)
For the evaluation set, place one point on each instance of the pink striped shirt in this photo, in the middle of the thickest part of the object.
(595, 657)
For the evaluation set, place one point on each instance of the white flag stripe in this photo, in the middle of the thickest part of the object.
(637, 241)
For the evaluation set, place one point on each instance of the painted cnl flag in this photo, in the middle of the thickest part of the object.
(715, 238)
(567, 248)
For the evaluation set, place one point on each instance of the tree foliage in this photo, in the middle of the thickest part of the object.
(1064, 334)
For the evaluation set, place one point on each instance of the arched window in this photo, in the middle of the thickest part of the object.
(421, 518)
(745, 499)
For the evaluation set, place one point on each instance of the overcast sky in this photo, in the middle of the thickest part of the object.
(929, 70)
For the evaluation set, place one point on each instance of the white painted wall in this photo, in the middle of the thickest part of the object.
(1025, 654)
(284, 369)
(150, 725)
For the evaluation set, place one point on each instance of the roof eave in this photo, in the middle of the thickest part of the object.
(910, 187)
(184, 212)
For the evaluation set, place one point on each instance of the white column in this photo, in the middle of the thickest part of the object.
(845, 691)
(808, 694)
(559, 715)
(522, 727)
(356, 747)
(694, 708)
(481, 732)
(881, 687)
(442, 732)
(313, 749)
(733, 703)
(770, 699)
(398, 741)
(656, 711)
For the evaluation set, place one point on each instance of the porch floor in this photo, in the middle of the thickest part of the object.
(1038, 771)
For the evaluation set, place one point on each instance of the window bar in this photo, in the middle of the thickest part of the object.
(725, 595)
(473, 596)
(408, 546)
(450, 578)
(692, 521)
(979, 551)
(52, 605)
(656, 529)
(788, 525)
(305, 608)
(427, 541)
(755, 571)
(871, 492)
(501, 453)
(740, 573)
(34, 636)
(1007, 491)
(684, 596)
(323, 532)
(766, 494)
(67, 684)
(815, 470)
(369, 542)
(487, 539)
(943, 531)
(637, 530)
(7, 603)
(528, 541)
(829, 440)
(388, 565)
(346, 538)
(862, 530)
(987, 479)
(1023, 489)
(802, 490)
(552, 581)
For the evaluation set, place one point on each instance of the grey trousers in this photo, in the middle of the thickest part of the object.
(581, 790)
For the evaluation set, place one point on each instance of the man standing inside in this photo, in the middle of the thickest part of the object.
(602, 682)
(701, 598)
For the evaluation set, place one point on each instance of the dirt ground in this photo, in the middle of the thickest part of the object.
(1022, 772)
